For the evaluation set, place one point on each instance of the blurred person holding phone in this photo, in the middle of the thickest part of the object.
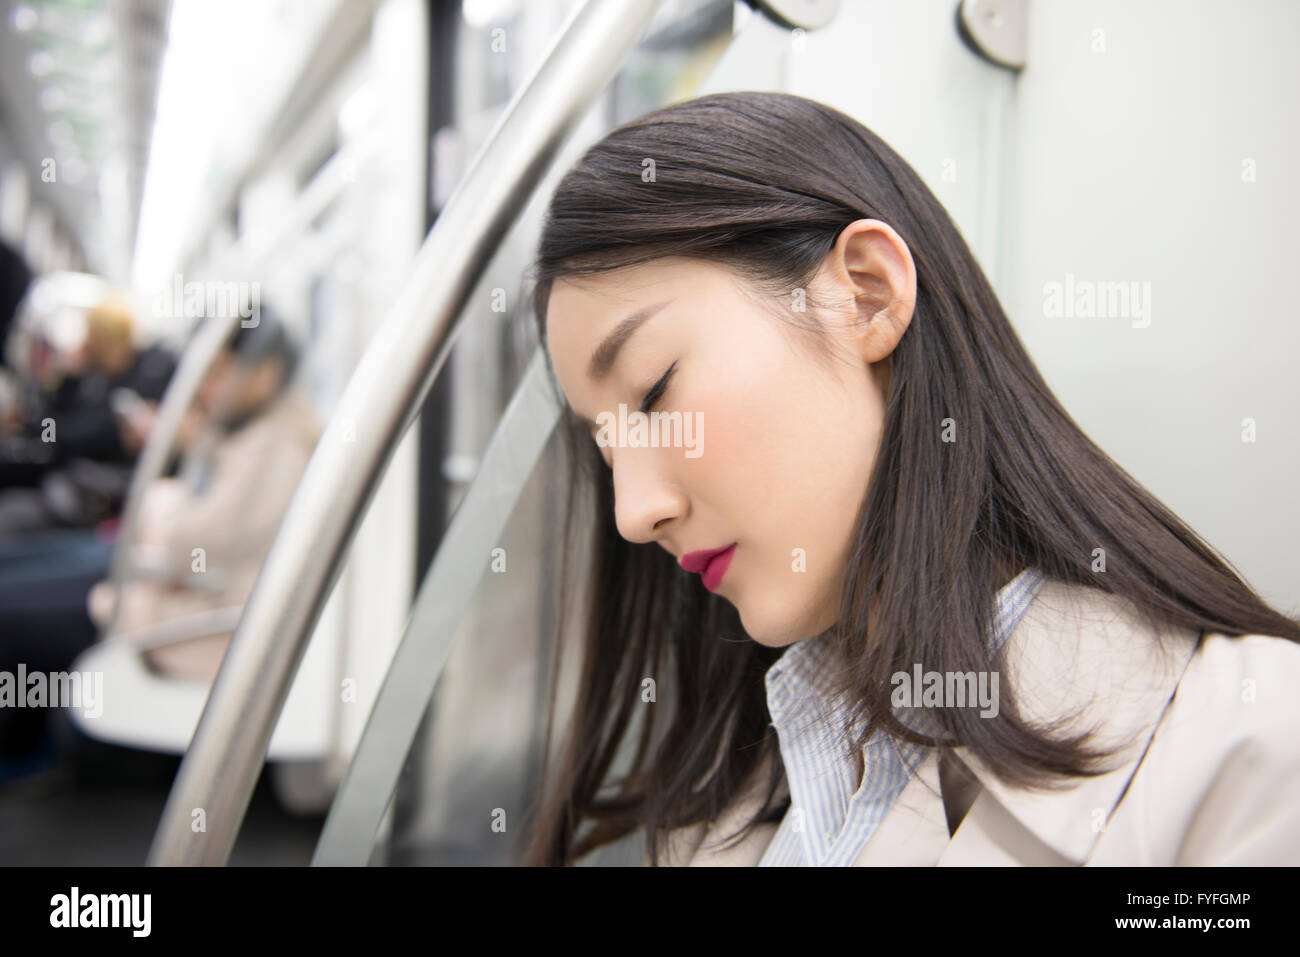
(202, 534)
(69, 463)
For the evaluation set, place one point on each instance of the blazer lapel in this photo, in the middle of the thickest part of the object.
(1083, 655)
(915, 831)
(1079, 656)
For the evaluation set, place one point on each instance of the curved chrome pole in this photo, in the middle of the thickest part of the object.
(221, 767)
(260, 253)
(444, 596)
(194, 365)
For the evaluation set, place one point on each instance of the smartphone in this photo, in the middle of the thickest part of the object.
(128, 404)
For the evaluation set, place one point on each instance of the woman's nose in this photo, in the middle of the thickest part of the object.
(646, 499)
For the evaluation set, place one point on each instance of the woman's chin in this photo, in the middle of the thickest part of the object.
(776, 631)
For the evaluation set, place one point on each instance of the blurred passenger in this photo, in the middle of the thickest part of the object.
(73, 448)
(202, 535)
(15, 278)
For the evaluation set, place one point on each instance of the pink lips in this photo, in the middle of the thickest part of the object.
(710, 563)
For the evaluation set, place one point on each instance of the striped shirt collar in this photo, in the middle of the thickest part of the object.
(832, 815)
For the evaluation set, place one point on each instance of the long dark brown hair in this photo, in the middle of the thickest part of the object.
(762, 184)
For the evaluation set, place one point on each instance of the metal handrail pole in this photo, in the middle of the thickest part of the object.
(446, 593)
(258, 250)
(154, 456)
(221, 767)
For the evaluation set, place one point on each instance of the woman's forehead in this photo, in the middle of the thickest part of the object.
(609, 295)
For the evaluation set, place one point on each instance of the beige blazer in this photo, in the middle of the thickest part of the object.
(234, 520)
(1209, 773)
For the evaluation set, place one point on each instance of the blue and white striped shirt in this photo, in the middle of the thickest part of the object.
(827, 823)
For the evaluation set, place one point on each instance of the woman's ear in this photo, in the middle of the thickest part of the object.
(872, 265)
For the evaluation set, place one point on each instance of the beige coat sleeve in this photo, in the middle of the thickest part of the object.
(235, 520)
(1243, 745)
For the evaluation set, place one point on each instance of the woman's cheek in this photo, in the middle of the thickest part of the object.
(741, 456)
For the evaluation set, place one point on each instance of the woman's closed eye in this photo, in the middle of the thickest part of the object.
(657, 390)
(652, 396)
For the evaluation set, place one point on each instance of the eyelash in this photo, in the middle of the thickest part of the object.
(652, 396)
(657, 390)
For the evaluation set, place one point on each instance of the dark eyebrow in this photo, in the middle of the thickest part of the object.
(602, 360)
